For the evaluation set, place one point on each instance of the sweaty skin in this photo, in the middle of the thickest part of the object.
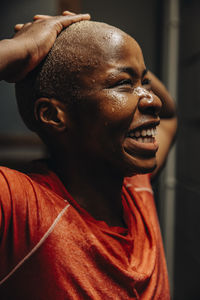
(117, 110)
(85, 109)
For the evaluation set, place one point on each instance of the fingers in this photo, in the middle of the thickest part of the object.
(67, 13)
(66, 19)
(18, 27)
(43, 17)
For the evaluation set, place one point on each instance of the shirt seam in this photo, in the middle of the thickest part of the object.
(37, 246)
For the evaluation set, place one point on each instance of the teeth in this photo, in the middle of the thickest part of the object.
(137, 133)
(144, 132)
(145, 139)
(144, 135)
(153, 131)
(149, 132)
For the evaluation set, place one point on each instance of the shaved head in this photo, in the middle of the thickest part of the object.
(81, 48)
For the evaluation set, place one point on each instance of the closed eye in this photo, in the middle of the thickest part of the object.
(123, 82)
(146, 83)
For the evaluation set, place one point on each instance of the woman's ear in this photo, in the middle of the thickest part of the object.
(51, 113)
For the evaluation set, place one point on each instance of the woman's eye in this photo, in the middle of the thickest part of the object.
(123, 85)
(147, 83)
(124, 82)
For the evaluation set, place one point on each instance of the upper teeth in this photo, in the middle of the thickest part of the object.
(144, 132)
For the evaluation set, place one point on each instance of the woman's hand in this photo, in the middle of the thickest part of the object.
(31, 44)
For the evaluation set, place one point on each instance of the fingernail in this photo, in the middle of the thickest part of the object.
(86, 15)
(19, 25)
(68, 12)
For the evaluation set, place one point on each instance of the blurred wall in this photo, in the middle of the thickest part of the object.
(187, 233)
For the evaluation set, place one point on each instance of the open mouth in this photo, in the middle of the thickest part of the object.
(143, 135)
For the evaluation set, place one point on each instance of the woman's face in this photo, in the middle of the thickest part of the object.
(117, 117)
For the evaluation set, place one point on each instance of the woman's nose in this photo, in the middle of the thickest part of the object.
(148, 102)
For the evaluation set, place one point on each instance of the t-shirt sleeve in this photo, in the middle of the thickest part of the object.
(18, 217)
(17, 199)
(5, 200)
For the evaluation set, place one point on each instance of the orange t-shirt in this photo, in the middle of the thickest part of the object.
(51, 248)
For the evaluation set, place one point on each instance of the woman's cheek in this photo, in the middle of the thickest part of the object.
(118, 106)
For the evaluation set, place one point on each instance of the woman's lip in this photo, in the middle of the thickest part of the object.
(132, 146)
(146, 125)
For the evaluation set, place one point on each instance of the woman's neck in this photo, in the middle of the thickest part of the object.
(96, 188)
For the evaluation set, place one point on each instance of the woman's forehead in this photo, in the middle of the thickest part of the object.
(87, 43)
(93, 35)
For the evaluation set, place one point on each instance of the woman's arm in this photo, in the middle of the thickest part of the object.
(168, 121)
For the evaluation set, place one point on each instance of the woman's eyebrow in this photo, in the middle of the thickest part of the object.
(128, 70)
(131, 71)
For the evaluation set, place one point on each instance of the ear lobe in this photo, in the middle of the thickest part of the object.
(51, 112)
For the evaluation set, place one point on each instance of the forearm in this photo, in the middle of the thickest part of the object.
(12, 57)
(166, 131)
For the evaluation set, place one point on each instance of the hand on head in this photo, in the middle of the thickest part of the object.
(38, 37)
(32, 42)
(47, 17)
